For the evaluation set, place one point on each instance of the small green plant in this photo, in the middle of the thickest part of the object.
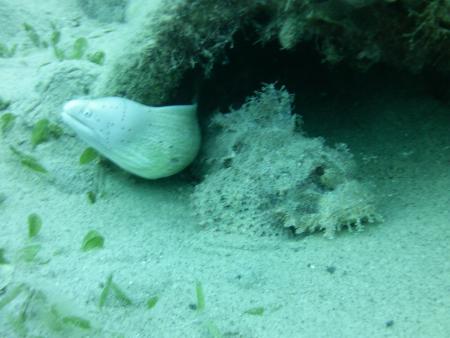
(118, 293)
(200, 296)
(77, 322)
(11, 295)
(105, 291)
(33, 310)
(213, 330)
(34, 225)
(91, 196)
(42, 131)
(3, 260)
(59, 53)
(28, 161)
(57, 321)
(17, 323)
(6, 52)
(92, 240)
(88, 155)
(4, 104)
(96, 57)
(34, 36)
(151, 302)
(255, 311)
(55, 37)
(29, 252)
(6, 122)
(79, 48)
(55, 130)
(52, 318)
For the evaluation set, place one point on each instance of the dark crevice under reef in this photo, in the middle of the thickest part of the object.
(318, 87)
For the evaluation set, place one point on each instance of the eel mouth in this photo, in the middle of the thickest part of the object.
(77, 124)
(72, 115)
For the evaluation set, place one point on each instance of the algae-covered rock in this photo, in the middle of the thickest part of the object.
(407, 34)
(180, 36)
(168, 42)
(262, 176)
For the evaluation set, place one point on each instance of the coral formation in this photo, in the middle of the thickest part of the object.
(262, 176)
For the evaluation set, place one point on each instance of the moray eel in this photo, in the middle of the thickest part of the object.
(150, 142)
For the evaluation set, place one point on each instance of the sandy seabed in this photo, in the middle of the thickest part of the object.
(391, 280)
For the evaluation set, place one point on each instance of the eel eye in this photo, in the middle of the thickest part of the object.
(87, 113)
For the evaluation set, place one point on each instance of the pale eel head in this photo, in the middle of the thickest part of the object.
(151, 142)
